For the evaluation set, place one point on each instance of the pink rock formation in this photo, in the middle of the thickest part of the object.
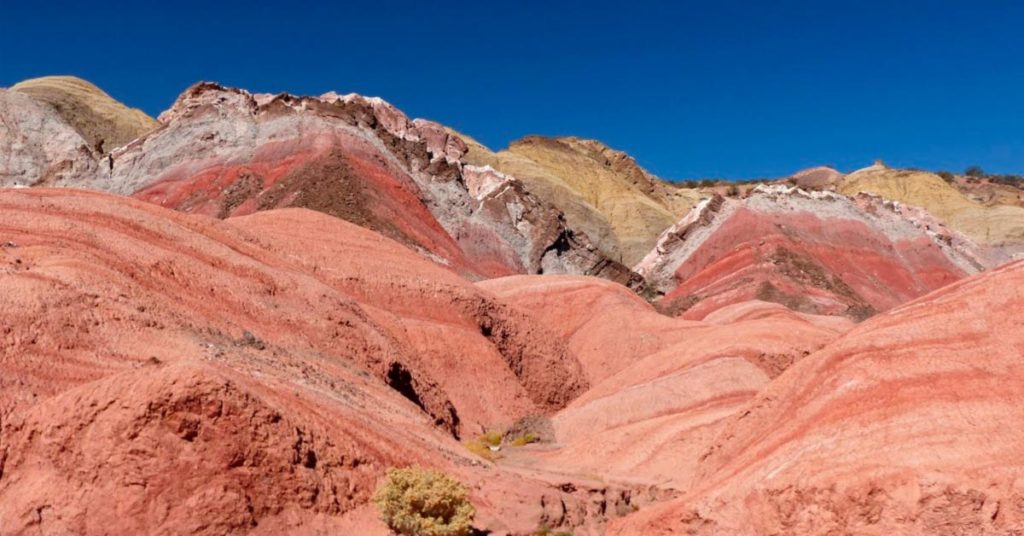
(906, 425)
(662, 386)
(815, 252)
(163, 372)
(225, 152)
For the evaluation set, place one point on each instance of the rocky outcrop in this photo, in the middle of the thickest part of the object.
(996, 225)
(902, 426)
(38, 148)
(103, 122)
(815, 252)
(602, 192)
(225, 152)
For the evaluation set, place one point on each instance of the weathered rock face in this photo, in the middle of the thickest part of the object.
(38, 148)
(225, 152)
(102, 122)
(906, 425)
(814, 252)
(602, 192)
(997, 225)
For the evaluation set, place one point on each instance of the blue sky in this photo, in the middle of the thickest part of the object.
(709, 89)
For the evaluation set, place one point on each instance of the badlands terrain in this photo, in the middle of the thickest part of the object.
(236, 317)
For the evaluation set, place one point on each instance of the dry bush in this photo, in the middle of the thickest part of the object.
(424, 502)
(486, 446)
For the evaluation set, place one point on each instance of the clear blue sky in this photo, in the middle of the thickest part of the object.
(711, 89)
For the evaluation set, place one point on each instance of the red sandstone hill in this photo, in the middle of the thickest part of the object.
(815, 252)
(171, 373)
(165, 372)
(662, 386)
(225, 152)
(906, 425)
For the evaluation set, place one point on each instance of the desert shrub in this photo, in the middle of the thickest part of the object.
(424, 502)
(974, 171)
(525, 439)
(481, 446)
(491, 438)
(946, 176)
(1008, 180)
(708, 183)
(732, 190)
(482, 450)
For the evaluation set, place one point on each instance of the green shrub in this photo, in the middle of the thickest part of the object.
(424, 502)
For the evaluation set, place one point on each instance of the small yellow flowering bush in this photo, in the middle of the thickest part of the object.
(424, 502)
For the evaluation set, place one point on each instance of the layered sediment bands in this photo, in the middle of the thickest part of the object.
(225, 152)
(441, 315)
(814, 252)
(235, 378)
(903, 426)
(662, 386)
(1000, 226)
(97, 284)
(340, 290)
(603, 192)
